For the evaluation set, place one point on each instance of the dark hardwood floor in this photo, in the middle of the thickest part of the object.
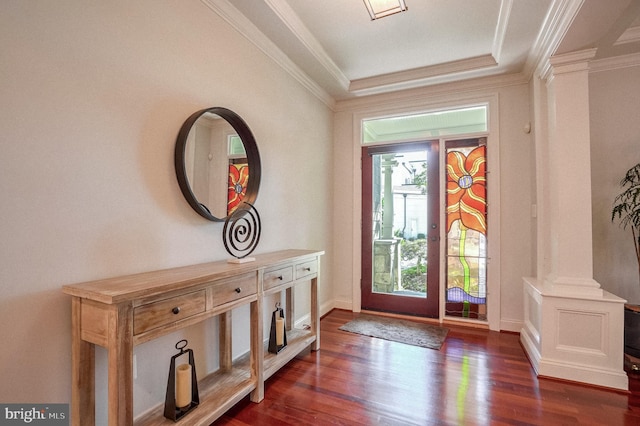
(477, 378)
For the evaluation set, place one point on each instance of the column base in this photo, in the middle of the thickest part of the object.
(573, 336)
(570, 286)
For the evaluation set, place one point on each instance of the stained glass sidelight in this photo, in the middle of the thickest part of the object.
(466, 214)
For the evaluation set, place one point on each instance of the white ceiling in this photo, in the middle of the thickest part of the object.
(338, 51)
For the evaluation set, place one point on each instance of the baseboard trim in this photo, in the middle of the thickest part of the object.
(511, 325)
(605, 378)
(345, 305)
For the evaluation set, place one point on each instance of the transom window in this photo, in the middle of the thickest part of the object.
(424, 126)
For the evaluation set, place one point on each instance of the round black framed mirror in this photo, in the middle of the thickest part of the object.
(217, 162)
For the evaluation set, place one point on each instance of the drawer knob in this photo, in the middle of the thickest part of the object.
(307, 269)
(238, 290)
(176, 310)
(280, 277)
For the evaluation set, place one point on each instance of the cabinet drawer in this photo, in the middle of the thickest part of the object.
(163, 312)
(277, 277)
(229, 290)
(306, 268)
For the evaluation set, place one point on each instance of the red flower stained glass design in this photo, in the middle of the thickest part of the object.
(467, 189)
(238, 178)
(466, 229)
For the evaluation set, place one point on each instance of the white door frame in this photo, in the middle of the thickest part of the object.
(493, 178)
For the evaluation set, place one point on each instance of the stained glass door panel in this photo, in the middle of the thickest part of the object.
(466, 217)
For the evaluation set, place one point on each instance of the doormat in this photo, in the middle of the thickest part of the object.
(398, 330)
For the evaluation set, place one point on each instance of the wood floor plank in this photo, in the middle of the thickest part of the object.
(478, 377)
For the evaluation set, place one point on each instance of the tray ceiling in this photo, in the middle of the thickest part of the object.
(343, 53)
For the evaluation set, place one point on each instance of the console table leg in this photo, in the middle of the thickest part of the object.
(120, 366)
(290, 312)
(315, 311)
(225, 346)
(82, 372)
(257, 350)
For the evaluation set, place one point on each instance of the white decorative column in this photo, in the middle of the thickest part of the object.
(573, 329)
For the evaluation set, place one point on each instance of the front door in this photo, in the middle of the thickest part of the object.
(401, 228)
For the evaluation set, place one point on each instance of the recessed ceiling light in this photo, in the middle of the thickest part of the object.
(381, 8)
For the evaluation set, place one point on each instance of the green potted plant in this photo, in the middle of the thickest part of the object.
(627, 209)
(627, 206)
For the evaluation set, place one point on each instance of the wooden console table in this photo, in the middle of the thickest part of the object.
(119, 313)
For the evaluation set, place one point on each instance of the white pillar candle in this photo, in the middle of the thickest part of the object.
(183, 385)
(279, 330)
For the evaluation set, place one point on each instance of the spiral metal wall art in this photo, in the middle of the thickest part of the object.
(241, 232)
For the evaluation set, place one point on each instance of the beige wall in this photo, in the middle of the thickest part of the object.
(516, 177)
(93, 95)
(615, 148)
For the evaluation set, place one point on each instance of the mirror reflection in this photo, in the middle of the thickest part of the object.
(216, 165)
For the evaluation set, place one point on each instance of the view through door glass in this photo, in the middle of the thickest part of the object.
(400, 228)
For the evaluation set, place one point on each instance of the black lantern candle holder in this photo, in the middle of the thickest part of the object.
(182, 386)
(278, 334)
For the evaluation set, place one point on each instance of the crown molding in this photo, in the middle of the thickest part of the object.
(419, 76)
(501, 28)
(556, 24)
(435, 75)
(433, 79)
(578, 61)
(615, 63)
(246, 28)
(282, 9)
(442, 90)
(572, 61)
(631, 35)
